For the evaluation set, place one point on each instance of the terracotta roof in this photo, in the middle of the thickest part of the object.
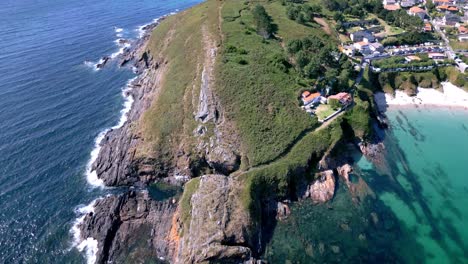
(416, 9)
(311, 97)
(340, 96)
(392, 7)
(442, 1)
(363, 43)
(305, 94)
(453, 8)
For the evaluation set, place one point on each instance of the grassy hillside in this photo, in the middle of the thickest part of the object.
(178, 43)
(256, 83)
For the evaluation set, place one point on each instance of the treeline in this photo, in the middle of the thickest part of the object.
(360, 8)
(316, 60)
(409, 81)
(409, 38)
(303, 13)
(263, 22)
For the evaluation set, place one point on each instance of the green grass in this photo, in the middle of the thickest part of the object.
(260, 96)
(456, 45)
(289, 29)
(185, 202)
(277, 180)
(323, 111)
(177, 41)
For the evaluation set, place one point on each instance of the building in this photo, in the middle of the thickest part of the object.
(392, 7)
(376, 47)
(427, 27)
(417, 11)
(450, 19)
(363, 47)
(463, 37)
(437, 56)
(348, 50)
(407, 3)
(445, 8)
(443, 2)
(344, 98)
(389, 2)
(362, 35)
(462, 29)
(309, 98)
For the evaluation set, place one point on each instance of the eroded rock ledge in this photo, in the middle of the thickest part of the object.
(130, 226)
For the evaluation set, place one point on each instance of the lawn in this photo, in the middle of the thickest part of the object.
(323, 111)
(457, 45)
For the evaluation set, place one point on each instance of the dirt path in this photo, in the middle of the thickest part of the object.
(324, 25)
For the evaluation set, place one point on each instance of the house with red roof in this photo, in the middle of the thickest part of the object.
(417, 11)
(309, 98)
(345, 99)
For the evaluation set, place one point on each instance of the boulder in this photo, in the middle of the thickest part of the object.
(323, 189)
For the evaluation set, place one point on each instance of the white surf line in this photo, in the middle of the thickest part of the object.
(91, 174)
(88, 245)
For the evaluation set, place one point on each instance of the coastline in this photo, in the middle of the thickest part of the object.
(126, 54)
(451, 97)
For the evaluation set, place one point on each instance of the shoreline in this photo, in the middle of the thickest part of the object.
(90, 245)
(452, 97)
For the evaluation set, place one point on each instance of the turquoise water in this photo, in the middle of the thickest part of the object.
(427, 162)
(415, 208)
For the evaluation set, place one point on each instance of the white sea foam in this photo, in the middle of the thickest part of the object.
(118, 30)
(91, 174)
(89, 245)
(119, 35)
(120, 51)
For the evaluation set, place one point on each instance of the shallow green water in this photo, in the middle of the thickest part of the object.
(417, 215)
(428, 159)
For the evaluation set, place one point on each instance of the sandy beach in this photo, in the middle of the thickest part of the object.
(452, 96)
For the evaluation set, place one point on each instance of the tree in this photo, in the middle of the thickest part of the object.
(262, 21)
(302, 59)
(334, 103)
(300, 18)
(292, 12)
(312, 70)
(294, 46)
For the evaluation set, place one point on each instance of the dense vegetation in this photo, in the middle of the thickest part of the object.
(262, 22)
(361, 9)
(257, 85)
(400, 62)
(410, 38)
(315, 59)
(410, 81)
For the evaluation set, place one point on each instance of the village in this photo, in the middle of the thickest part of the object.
(442, 22)
(438, 38)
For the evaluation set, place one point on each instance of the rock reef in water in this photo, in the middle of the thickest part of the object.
(322, 189)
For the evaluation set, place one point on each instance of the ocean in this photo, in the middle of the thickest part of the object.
(53, 105)
(416, 212)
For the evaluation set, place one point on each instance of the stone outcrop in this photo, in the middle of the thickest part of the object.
(322, 189)
(130, 226)
(220, 228)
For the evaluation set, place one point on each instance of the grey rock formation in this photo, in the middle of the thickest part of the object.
(219, 226)
(130, 226)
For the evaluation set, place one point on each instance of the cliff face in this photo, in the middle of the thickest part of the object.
(132, 227)
(219, 229)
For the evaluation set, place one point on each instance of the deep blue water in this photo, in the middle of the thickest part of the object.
(52, 106)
